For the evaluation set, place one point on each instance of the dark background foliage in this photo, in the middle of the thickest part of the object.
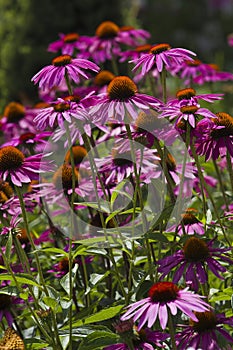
(28, 26)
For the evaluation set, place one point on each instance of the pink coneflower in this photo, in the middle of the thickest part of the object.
(188, 113)
(106, 42)
(212, 74)
(162, 55)
(165, 297)
(193, 260)
(189, 224)
(131, 36)
(205, 333)
(57, 112)
(18, 169)
(54, 74)
(122, 101)
(135, 53)
(189, 70)
(119, 165)
(214, 137)
(188, 96)
(69, 43)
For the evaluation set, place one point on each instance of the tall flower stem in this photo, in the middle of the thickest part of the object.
(41, 277)
(164, 84)
(220, 183)
(171, 331)
(229, 166)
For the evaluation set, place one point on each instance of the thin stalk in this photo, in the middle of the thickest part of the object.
(164, 84)
(220, 183)
(171, 331)
(229, 166)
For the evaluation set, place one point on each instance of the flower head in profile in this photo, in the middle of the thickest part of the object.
(18, 169)
(189, 224)
(192, 261)
(187, 113)
(133, 36)
(214, 137)
(162, 56)
(64, 65)
(122, 100)
(188, 96)
(69, 43)
(165, 297)
(207, 332)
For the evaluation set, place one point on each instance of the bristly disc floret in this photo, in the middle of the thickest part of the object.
(159, 48)
(61, 61)
(121, 88)
(196, 250)
(223, 119)
(10, 158)
(107, 30)
(185, 94)
(206, 321)
(163, 292)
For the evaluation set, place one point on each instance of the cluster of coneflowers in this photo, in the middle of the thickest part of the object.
(95, 160)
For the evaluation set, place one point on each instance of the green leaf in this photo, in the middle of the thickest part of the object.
(20, 278)
(8, 247)
(102, 315)
(65, 280)
(50, 302)
(54, 250)
(98, 340)
(96, 278)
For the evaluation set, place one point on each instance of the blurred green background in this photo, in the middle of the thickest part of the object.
(28, 26)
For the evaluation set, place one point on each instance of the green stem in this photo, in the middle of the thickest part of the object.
(220, 183)
(171, 331)
(229, 166)
(164, 84)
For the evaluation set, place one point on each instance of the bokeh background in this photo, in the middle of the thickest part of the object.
(28, 26)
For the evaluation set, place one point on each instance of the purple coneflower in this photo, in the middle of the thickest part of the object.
(18, 169)
(135, 53)
(64, 65)
(188, 113)
(205, 333)
(131, 36)
(106, 42)
(163, 56)
(122, 101)
(71, 42)
(230, 39)
(193, 260)
(57, 112)
(189, 224)
(188, 96)
(214, 137)
(165, 297)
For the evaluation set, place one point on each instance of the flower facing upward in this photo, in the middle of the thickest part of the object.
(18, 169)
(193, 260)
(54, 74)
(214, 137)
(189, 224)
(205, 333)
(165, 297)
(122, 97)
(163, 56)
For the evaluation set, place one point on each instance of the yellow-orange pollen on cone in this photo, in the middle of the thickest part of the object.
(223, 119)
(71, 38)
(121, 88)
(185, 93)
(103, 78)
(206, 321)
(195, 250)
(107, 30)
(146, 121)
(79, 153)
(14, 112)
(189, 109)
(159, 48)
(62, 178)
(61, 107)
(10, 158)
(62, 60)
